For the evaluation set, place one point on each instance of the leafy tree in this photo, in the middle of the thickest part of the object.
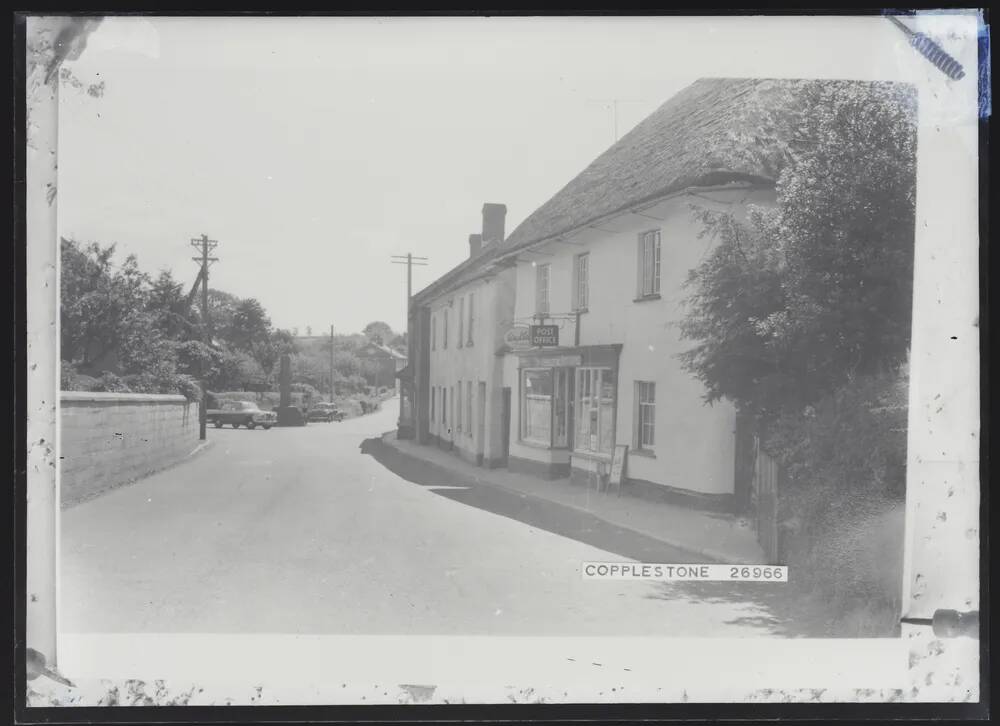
(399, 342)
(378, 332)
(801, 298)
(103, 308)
(167, 306)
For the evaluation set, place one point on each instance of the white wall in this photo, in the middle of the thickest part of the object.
(477, 363)
(694, 442)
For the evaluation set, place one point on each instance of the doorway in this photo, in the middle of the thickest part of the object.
(481, 423)
(504, 425)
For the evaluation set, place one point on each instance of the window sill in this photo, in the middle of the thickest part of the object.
(535, 444)
(645, 453)
(647, 298)
(581, 311)
(593, 455)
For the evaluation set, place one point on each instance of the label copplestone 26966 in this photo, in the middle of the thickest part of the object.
(669, 572)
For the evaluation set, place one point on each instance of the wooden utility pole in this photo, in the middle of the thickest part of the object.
(409, 260)
(331, 363)
(205, 245)
(612, 105)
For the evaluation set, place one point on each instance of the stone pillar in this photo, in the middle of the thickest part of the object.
(285, 381)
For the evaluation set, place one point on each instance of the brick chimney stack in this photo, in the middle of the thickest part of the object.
(475, 244)
(493, 222)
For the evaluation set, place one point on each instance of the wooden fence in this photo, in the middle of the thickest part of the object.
(766, 488)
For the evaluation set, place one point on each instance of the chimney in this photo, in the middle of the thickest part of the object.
(475, 244)
(493, 219)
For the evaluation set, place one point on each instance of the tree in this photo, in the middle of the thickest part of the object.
(378, 332)
(167, 306)
(399, 342)
(279, 343)
(802, 298)
(103, 308)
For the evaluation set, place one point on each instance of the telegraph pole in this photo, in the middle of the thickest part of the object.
(205, 245)
(409, 260)
(612, 104)
(331, 363)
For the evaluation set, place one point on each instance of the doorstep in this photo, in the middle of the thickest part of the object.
(720, 537)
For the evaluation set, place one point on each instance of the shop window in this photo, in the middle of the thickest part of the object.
(595, 410)
(536, 405)
(545, 397)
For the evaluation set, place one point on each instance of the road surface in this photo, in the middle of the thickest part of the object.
(314, 530)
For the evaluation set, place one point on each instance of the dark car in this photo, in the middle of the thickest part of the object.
(325, 412)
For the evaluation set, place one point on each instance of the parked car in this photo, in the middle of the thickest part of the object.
(325, 412)
(241, 413)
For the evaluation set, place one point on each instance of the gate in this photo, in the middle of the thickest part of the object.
(766, 486)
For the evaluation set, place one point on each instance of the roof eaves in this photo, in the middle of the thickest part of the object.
(719, 180)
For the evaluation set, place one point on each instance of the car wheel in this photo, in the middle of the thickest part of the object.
(251, 425)
(218, 424)
(266, 426)
(236, 424)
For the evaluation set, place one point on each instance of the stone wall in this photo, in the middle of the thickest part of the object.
(110, 439)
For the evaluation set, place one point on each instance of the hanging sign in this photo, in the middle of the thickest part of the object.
(544, 336)
(518, 337)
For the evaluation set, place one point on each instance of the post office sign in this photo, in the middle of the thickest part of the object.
(544, 336)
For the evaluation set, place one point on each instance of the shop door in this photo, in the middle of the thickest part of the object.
(481, 422)
(505, 425)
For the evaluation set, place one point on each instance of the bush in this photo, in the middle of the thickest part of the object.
(111, 383)
(68, 377)
(189, 388)
(842, 505)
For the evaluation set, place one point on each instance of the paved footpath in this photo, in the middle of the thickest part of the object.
(314, 530)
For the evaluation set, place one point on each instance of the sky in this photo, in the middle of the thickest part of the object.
(315, 149)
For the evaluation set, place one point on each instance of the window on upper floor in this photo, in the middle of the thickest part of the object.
(433, 332)
(468, 408)
(472, 316)
(542, 288)
(581, 281)
(649, 264)
(461, 322)
(444, 318)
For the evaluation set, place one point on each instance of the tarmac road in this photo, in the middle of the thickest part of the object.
(300, 530)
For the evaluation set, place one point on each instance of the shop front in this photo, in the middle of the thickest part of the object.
(566, 407)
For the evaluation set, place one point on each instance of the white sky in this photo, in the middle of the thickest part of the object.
(313, 149)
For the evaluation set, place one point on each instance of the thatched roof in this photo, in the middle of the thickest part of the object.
(712, 132)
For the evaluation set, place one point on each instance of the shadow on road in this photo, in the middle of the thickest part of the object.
(536, 512)
(769, 603)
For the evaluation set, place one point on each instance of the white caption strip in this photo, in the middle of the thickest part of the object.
(658, 571)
